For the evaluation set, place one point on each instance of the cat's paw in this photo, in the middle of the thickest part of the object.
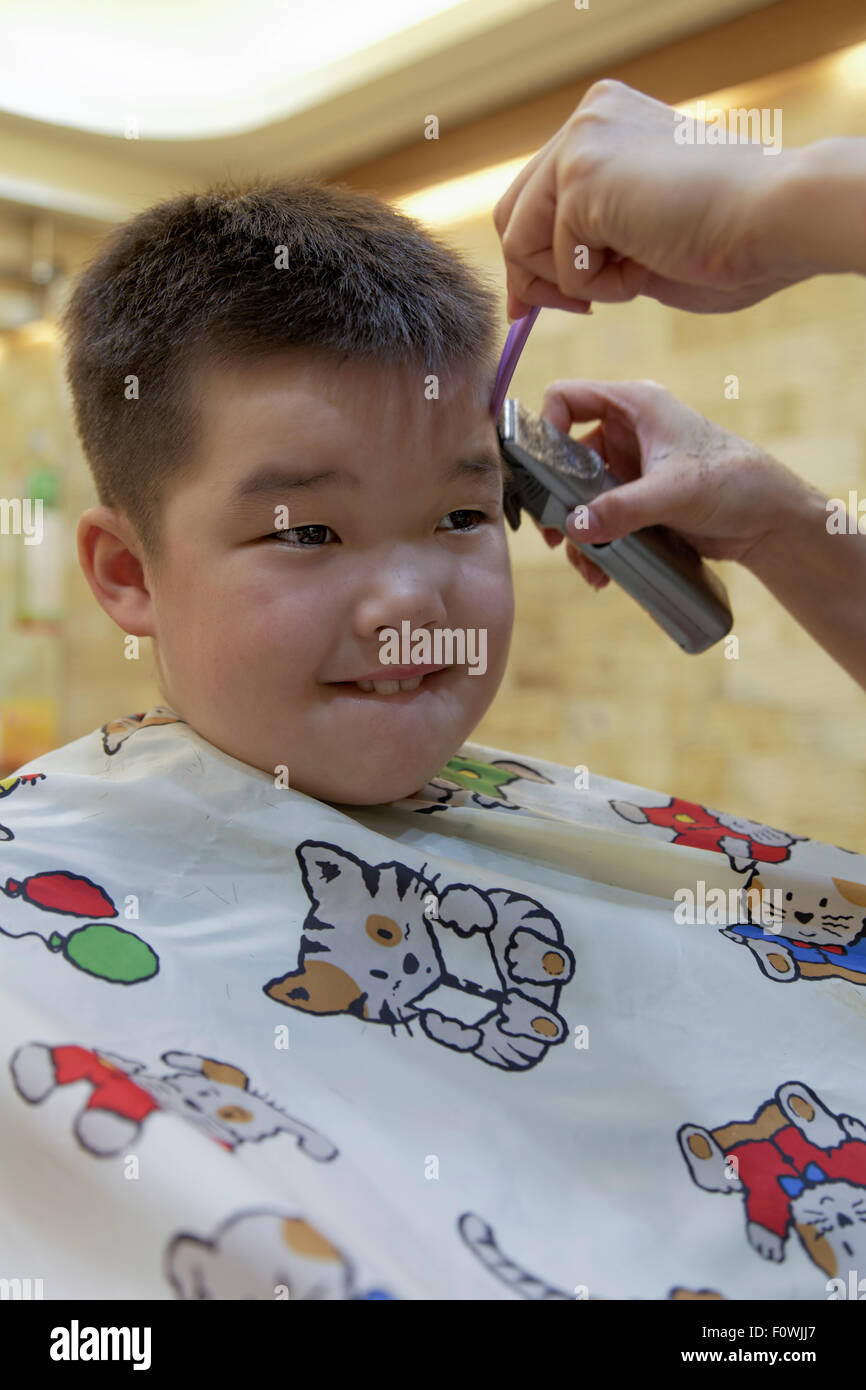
(636, 814)
(512, 1052)
(774, 958)
(449, 1031)
(521, 1017)
(736, 847)
(707, 1161)
(818, 1125)
(32, 1069)
(854, 1128)
(104, 1132)
(514, 1037)
(531, 958)
(768, 1245)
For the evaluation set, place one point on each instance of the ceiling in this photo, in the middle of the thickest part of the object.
(106, 108)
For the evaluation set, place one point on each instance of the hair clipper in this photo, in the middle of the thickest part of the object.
(553, 473)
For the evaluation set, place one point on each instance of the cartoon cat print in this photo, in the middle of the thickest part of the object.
(484, 782)
(117, 731)
(804, 931)
(268, 1254)
(213, 1096)
(262, 1254)
(479, 1237)
(8, 785)
(745, 842)
(376, 942)
(798, 1167)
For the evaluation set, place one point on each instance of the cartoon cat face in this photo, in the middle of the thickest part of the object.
(830, 1218)
(831, 913)
(223, 1111)
(753, 830)
(367, 948)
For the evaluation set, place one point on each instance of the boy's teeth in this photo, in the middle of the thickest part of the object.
(390, 687)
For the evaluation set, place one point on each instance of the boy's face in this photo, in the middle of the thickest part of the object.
(258, 635)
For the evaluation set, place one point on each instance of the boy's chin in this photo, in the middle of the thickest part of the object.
(384, 799)
(382, 791)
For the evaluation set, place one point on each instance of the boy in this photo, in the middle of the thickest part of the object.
(358, 1009)
(297, 343)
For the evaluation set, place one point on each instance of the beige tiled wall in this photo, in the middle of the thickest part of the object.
(779, 734)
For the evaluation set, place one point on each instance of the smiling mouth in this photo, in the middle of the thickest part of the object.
(391, 690)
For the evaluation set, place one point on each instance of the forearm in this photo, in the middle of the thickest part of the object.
(813, 208)
(818, 576)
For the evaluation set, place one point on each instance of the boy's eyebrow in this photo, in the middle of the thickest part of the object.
(275, 481)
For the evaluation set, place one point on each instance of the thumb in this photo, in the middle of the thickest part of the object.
(647, 501)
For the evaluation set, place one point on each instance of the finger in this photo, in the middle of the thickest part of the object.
(585, 567)
(615, 403)
(657, 498)
(505, 206)
(595, 439)
(551, 535)
(606, 277)
(567, 402)
(527, 241)
(530, 290)
(555, 411)
(543, 235)
(624, 463)
(516, 309)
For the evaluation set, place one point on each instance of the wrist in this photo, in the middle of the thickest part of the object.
(798, 522)
(812, 209)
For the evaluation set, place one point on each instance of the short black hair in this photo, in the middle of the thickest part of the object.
(243, 271)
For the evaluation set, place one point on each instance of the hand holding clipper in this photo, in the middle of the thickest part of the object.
(553, 473)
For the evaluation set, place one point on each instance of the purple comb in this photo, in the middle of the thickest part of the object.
(517, 335)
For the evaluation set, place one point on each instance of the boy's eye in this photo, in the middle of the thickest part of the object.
(466, 511)
(299, 531)
(314, 543)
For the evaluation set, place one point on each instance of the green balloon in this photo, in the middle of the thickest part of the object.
(111, 953)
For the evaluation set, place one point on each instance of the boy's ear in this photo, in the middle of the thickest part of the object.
(108, 553)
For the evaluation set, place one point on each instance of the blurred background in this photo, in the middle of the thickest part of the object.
(106, 110)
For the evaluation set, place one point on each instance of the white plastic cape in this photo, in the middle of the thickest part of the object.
(518, 1038)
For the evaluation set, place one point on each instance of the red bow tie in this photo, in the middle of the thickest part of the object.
(812, 946)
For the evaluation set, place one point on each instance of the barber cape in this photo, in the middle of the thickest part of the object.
(529, 1035)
